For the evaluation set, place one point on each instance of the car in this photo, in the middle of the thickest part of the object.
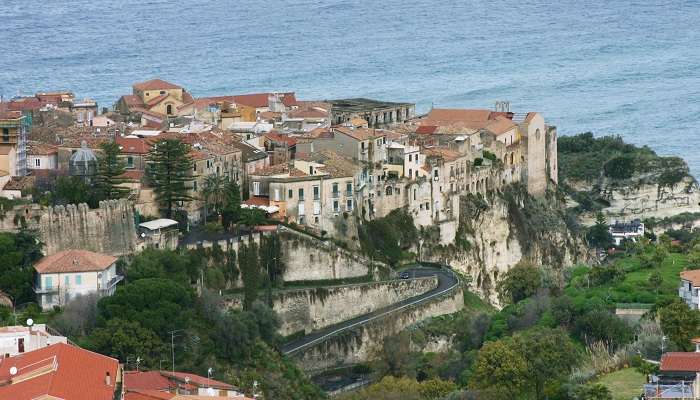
(404, 275)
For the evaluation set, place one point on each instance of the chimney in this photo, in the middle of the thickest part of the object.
(108, 379)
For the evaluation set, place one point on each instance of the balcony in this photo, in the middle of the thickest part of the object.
(335, 194)
(348, 193)
(112, 283)
(40, 290)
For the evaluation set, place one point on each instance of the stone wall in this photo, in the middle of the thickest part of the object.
(312, 309)
(363, 343)
(109, 229)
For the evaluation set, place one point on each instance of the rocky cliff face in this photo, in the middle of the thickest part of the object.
(501, 229)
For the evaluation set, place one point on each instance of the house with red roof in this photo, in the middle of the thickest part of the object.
(60, 371)
(64, 275)
(154, 96)
(678, 377)
(148, 385)
(690, 287)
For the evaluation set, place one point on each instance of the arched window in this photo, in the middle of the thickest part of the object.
(169, 109)
(389, 191)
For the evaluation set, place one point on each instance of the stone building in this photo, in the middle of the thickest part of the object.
(376, 113)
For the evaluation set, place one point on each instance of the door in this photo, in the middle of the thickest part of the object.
(20, 345)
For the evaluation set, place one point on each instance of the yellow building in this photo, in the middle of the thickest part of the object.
(13, 143)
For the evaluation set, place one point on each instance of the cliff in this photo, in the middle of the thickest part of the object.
(501, 229)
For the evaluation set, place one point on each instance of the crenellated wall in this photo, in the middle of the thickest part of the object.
(109, 229)
(315, 308)
(363, 343)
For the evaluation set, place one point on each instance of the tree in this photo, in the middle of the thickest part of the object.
(550, 355)
(500, 367)
(74, 190)
(271, 258)
(19, 251)
(519, 283)
(655, 280)
(601, 325)
(249, 265)
(170, 172)
(599, 234)
(252, 217)
(680, 323)
(110, 171)
(231, 211)
(594, 391)
(213, 193)
(123, 338)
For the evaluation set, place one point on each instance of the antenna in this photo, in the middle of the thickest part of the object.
(30, 322)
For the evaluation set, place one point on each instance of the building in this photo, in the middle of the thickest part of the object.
(21, 339)
(376, 113)
(159, 234)
(69, 273)
(632, 230)
(60, 371)
(678, 377)
(42, 156)
(690, 285)
(154, 97)
(181, 385)
(14, 128)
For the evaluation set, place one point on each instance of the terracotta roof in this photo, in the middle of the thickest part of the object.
(62, 371)
(9, 114)
(310, 113)
(74, 261)
(20, 183)
(334, 164)
(495, 122)
(680, 362)
(257, 201)
(133, 145)
(278, 169)
(41, 149)
(196, 380)
(145, 380)
(152, 102)
(444, 152)
(426, 129)
(276, 137)
(261, 100)
(199, 155)
(136, 394)
(133, 175)
(693, 276)
(359, 133)
(156, 84)
(133, 100)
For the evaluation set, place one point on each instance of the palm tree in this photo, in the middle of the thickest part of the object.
(213, 193)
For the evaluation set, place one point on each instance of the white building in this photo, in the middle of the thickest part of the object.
(690, 284)
(64, 275)
(42, 156)
(20, 339)
(626, 230)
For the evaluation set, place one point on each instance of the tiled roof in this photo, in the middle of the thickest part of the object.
(41, 149)
(276, 137)
(261, 100)
(156, 84)
(74, 261)
(279, 169)
(133, 100)
(680, 362)
(60, 370)
(145, 380)
(334, 164)
(472, 119)
(133, 175)
(426, 129)
(136, 394)
(359, 133)
(197, 380)
(20, 183)
(152, 102)
(310, 113)
(693, 276)
(258, 201)
(445, 153)
(133, 145)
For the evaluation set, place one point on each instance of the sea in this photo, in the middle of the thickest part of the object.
(630, 68)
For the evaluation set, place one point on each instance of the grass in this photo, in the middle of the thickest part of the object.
(635, 287)
(623, 384)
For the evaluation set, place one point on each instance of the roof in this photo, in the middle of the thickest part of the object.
(693, 276)
(359, 133)
(334, 164)
(74, 261)
(680, 362)
(278, 169)
(261, 100)
(41, 149)
(197, 380)
(156, 84)
(286, 139)
(444, 152)
(426, 129)
(494, 122)
(360, 105)
(158, 223)
(145, 380)
(310, 113)
(5, 150)
(60, 370)
(133, 145)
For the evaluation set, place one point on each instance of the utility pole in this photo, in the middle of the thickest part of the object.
(172, 346)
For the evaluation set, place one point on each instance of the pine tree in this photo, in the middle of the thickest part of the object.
(231, 212)
(109, 173)
(170, 173)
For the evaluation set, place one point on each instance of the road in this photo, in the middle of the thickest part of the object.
(446, 282)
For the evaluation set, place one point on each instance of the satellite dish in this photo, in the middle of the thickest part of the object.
(143, 234)
(30, 322)
(13, 371)
(187, 380)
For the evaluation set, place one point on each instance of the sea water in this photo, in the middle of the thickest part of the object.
(612, 67)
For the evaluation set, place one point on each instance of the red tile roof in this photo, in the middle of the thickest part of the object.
(152, 102)
(276, 137)
(132, 100)
(41, 149)
(680, 362)
(145, 380)
(133, 145)
(495, 122)
(693, 276)
(74, 261)
(156, 84)
(196, 380)
(60, 370)
(359, 133)
(261, 100)
(133, 175)
(257, 201)
(426, 129)
(147, 395)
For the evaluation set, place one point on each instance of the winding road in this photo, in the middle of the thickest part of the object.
(447, 281)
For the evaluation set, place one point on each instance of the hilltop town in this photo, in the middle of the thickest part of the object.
(263, 246)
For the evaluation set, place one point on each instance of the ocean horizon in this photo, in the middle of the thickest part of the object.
(630, 68)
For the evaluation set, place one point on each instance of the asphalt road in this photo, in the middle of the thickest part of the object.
(446, 282)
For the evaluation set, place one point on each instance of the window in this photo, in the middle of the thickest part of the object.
(317, 193)
(317, 207)
(37, 162)
(302, 210)
(194, 186)
(410, 173)
(5, 134)
(414, 193)
(348, 205)
(335, 190)
(66, 280)
(389, 190)
(301, 193)
(290, 193)
(277, 194)
(348, 188)
(410, 157)
(78, 279)
(130, 162)
(256, 188)
(162, 92)
(48, 282)
(169, 109)
(336, 206)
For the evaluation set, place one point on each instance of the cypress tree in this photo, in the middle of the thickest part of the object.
(170, 173)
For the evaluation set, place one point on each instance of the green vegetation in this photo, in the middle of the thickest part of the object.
(170, 173)
(623, 384)
(387, 238)
(109, 180)
(19, 252)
